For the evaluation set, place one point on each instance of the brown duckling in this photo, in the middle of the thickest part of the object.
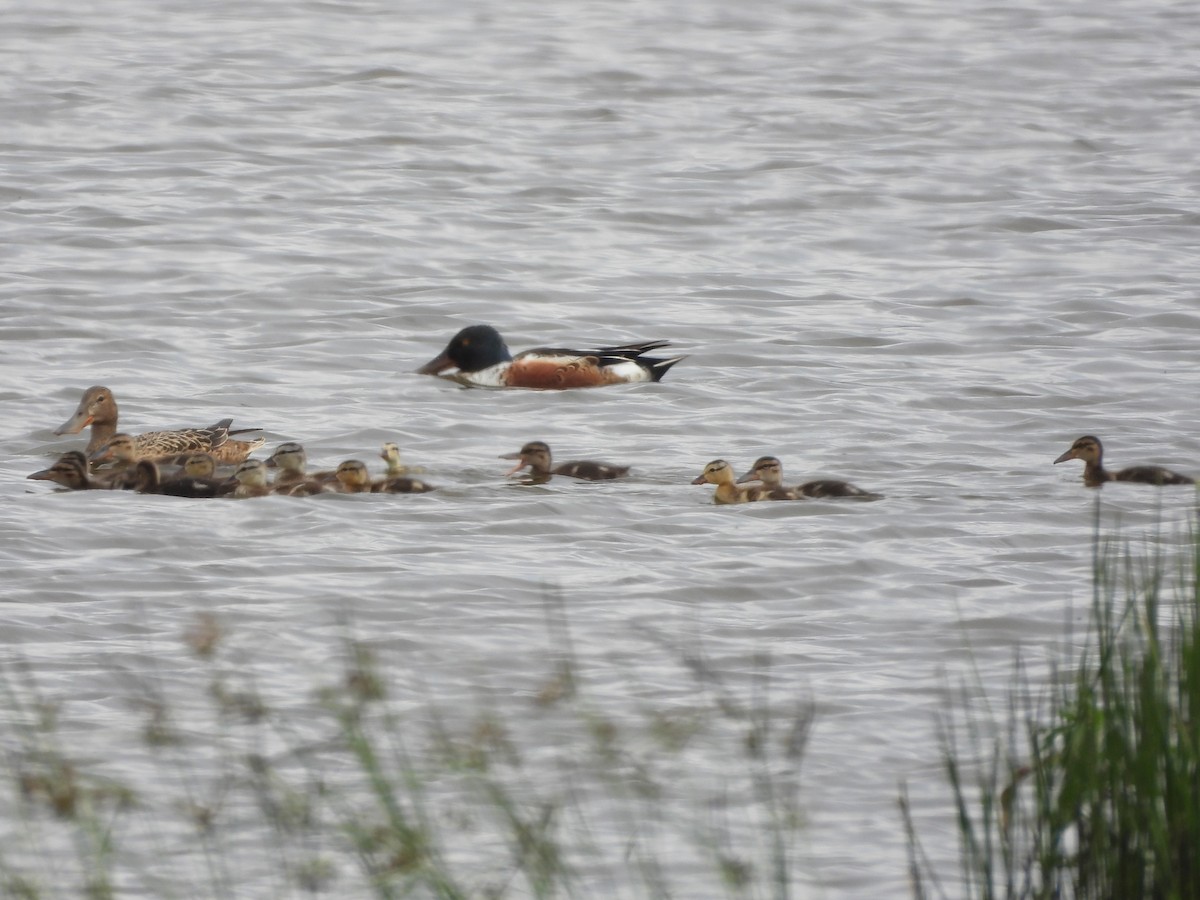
(251, 478)
(293, 477)
(98, 408)
(1089, 449)
(769, 471)
(536, 456)
(197, 478)
(353, 477)
(720, 473)
(71, 472)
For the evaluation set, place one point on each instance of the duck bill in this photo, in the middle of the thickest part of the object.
(43, 475)
(1070, 454)
(75, 424)
(699, 479)
(749, 476)
(521, 463)
(437, 365)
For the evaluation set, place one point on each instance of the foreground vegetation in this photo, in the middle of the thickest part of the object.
(1090, 789)
(361, 792)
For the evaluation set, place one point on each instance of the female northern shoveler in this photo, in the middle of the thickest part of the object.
(720, 473)
(1091, 451)
(482, 359)
(769, 471)
(536, 455)
(98, 408)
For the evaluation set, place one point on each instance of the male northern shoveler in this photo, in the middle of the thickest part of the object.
(720, 473)
(1091, 451)
(769, 471)
(482, 359)
(536, 455)
(98, 408)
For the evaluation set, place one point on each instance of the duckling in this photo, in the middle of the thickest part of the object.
(120, 450)
(71, 472)
(353, 477)
(1089, 449)
(536, 456)
(293, 477)
(401, 484)
(251, 477)
(720, 473)
(98, 408)
(197, 478)
(769, 471)
(390, 454)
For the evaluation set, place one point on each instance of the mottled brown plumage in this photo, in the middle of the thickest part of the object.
(536, 456)
(98, 409)
(1089, 449)
(768, 470)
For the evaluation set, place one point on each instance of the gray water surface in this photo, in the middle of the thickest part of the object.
(919, 246)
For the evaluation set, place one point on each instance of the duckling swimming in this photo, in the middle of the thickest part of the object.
(1089, 449)
(293, 478)
(720, 473)
(70, 471)
(197, 478)
(769, 471)
(536, 456)
(390, 454)
(251, 477)
(354, 478)
(98, 408)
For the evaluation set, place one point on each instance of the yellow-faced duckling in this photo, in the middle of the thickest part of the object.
(390, 454)
(98, 408)
(293, 477)
(769, 471)
(720, 473)
(536, 456)
(251, 477)
(1089, 449)
(353, 477)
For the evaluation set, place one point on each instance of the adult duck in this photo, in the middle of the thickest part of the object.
(535, 456)
(1089, 449)
(720, 473)
(480, 358)
(768, 470)
(98, 409)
